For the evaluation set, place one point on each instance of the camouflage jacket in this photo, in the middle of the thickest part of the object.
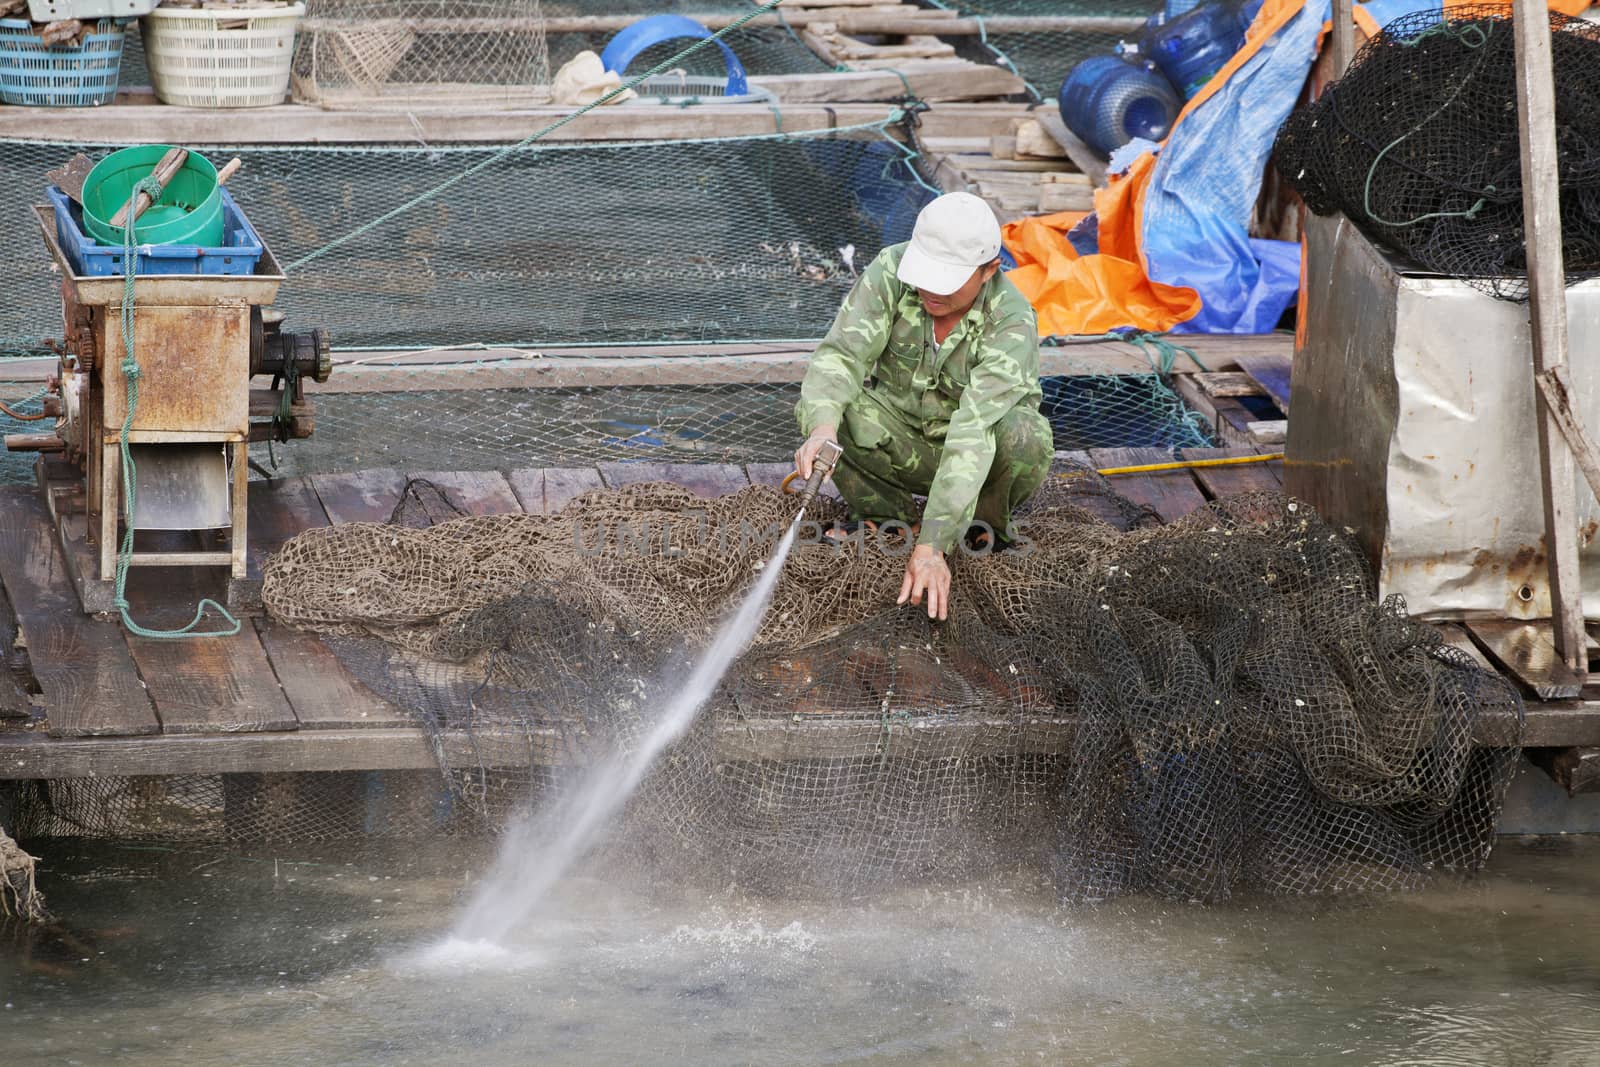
(955, 392)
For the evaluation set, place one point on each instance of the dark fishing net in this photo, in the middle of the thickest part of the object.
(1418, 145)
(1198, 709)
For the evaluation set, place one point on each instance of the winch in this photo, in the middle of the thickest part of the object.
(199, 339)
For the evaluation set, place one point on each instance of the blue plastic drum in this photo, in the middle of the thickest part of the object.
(1108, 101)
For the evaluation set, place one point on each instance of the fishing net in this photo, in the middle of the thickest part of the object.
(359, 52)
(1418, 145)
(482, 330)
(1197, 709)
(1062, 34)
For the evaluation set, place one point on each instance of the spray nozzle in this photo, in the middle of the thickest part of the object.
(822, 466)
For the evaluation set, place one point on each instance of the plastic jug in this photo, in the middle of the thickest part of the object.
(1191, 48)
(1109, 100)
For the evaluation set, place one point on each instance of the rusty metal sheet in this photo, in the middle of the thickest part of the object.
(1415, 426)
(194, 368)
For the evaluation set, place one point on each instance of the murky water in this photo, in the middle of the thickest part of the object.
(300, 957)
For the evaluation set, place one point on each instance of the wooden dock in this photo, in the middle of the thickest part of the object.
(272, 699)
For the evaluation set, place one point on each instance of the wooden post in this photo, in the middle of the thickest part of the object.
(1547, 310)
(1344, 36)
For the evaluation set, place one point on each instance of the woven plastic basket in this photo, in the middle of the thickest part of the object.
(234, 58)
(39, 75)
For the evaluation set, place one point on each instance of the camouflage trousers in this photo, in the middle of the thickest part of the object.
(887, 461)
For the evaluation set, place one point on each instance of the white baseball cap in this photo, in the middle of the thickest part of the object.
(955, 235)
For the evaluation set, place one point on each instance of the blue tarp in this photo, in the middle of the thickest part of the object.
(1205, 184)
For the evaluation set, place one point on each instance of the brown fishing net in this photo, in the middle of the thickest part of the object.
(1194, 709)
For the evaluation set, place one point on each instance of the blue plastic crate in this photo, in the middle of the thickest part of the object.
(240, 252)
(35, 74)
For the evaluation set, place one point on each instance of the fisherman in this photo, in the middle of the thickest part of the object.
(929, 382)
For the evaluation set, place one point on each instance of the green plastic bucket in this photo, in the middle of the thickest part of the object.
(188, 213)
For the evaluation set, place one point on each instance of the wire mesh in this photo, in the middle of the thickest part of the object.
(754, 239)
(355, 52)
(1044, 58)
(1418, 144)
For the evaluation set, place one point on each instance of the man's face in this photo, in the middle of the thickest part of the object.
(958, 302)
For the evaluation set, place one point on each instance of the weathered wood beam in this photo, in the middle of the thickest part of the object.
(1344, 36)
(26, 754)
(1556, 389)
(132, 123)
(1547, 309)
(888, 23)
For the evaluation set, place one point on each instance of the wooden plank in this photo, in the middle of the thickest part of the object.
(89, 682)
(1062, 196)
(935, 81)
(703, 479)
(1097, 504)
(1458, 638)
(1272, 373)
(323, 694)
(1229, 480)
(972, 162)
(29, 755)
(528, 484)
(32, 755)
(474, 492)
(280, 509)
(1228, 383)
(1080, 153)
(876, 17)
(360, 496)
(1032, 140)
(1556, 389)
(1344, 36)
(1528, 653)
(1171, 494)
(562, 484)
(204, 684)
(444, 123)
(1547, 312)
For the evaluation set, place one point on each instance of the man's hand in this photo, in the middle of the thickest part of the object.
(806, 454)
(927, 571)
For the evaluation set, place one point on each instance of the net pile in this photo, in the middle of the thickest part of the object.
(1196, 710)
(1418, 145)
(358, 52)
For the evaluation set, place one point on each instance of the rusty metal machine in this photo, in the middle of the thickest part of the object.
(199, 339)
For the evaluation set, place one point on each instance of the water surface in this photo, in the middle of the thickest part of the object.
(297, 955)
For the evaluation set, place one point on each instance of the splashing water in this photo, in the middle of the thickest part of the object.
(542, 847)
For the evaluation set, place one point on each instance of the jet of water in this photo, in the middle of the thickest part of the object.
(542, 847)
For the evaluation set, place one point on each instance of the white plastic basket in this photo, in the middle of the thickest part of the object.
(238, 57)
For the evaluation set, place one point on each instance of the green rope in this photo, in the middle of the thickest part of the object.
(1165, 356)
(992, 48)
(1474, 37)
(130, 374)
(448, 183)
